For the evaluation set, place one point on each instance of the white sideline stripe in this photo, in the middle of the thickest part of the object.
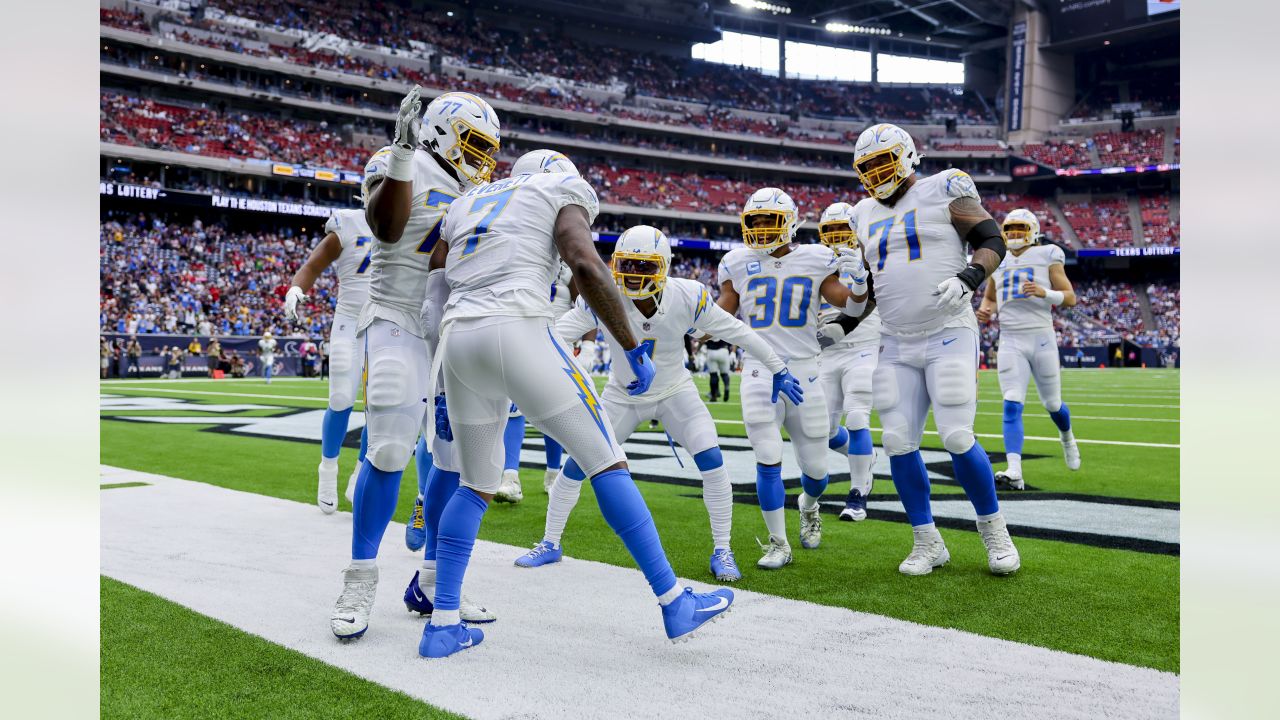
(1102, 417)
(584, 639)
(1140, 523)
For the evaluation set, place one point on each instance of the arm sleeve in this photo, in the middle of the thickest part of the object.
(574, 190)
(577, 322)
(717, 323)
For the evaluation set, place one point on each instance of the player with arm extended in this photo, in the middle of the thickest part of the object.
(779, 285)
(1030, 280)
(408, 185)
(347, 246)
(847, 369)
(662, 311)
(267, 346)
(911, 230)
(498, 346)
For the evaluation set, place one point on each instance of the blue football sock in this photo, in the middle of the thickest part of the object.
(333, 431)
(709, 459)
(555, 452)
(840, 440)
(1062, 418)
(573, 472)
(624, 509)
(441, 485)
(769, 487)
(860, 441)
(422, 459)
(973, 472)
(459, 524)
(813, 487)
(512, 439)
(911, 479)
(376, 495)
(1013, 427)
(364, 443)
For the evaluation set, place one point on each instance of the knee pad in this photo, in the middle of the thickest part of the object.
(955, 383)
(958, 442)
(812, 458)
(392, 437)
(709, 459)
(389, 455)
(1053, 405)
(766, 441)
(340, 398)
(895, 442)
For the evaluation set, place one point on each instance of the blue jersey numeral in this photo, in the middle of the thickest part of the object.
(790, 307)
(435, 199)
(1011, 285)
(496, 205)
(884, 227)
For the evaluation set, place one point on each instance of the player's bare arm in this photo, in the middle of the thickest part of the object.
(1060, 291)
(974, 224)
(325, 254)
(729, 299)
(390, 199)
(987, 309)
(591, 275)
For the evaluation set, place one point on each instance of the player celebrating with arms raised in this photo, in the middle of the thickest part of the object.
(1028, 345)
(779, 286)
(346, 245)
(911, 230)
(662, 311)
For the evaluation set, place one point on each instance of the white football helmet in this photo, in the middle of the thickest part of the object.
(641, 261)
(883, 158)
(464, 130)
(1021, 229)
(544, 161)
(835, 227)
(769, 219)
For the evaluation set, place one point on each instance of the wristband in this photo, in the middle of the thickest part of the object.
(1055, 297)
(972, 276)
(400, 166)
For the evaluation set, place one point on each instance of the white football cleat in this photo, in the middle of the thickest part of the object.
(1006, 480)
(473, 612)
(810, 528)
(351, 613)
(351, 485)
(327, 491)
(509, 491)
(927, 553)
(1002, 556)
(549, 479)
(1071, 453)
(776, 554)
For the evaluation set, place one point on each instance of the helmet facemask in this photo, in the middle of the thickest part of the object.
(836, 233)
(766, 229)
(881, 172)
(639, 275)
(1017, 234)
(474, 154)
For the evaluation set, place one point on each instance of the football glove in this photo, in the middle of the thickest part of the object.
(443, 430)
(291, 299)
(851, 261)
(952, 294)
(409, 120)
(642, 365)
(829, 335)
(785, 383)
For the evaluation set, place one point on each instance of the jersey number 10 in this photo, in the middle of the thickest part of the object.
(1011, 287)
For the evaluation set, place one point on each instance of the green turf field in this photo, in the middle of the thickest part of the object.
(1101, 601)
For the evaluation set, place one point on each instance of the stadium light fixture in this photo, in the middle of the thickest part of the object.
(839, 27)
(758, 5)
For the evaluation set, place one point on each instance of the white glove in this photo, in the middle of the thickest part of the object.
(407, 137)
(291, 299)
(851, 261)
(829, 335)
(952, 294)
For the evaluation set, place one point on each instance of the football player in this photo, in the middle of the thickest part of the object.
(662, 311)
(502, 247)
(434, 157)
(1028, 284)
(267, 354)
(847, 367)
(779, 285)
(718, 368)
(347, 246)
(912, 230)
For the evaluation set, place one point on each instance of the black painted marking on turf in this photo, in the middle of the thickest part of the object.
(113, 486)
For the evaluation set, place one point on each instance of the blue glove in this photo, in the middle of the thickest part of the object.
(642, 366)
(443, 431)
(787, 384)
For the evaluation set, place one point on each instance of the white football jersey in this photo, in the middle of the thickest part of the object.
(1025, 312)
(684, 307)
(502, 251)
(867, 332)
(398, 271)
(780, 296)
(911, 248)
(352, 266)
(267, 347)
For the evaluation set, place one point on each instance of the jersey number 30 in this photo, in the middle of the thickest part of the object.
(790, 307)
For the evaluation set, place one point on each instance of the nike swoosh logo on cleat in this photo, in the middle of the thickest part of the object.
(948, 342)
(724, 603)
(326, 504)
(466, 644)
(351, 620)
(1002, 557)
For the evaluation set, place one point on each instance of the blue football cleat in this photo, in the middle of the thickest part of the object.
(724, 567)
(415, 532)
(691, 610)
(855, 507)
(544, 553)
(415, 600)
(444, 640)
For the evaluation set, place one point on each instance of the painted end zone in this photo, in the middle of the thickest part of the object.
(584, 639)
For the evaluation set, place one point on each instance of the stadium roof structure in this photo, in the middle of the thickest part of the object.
(955, 22)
